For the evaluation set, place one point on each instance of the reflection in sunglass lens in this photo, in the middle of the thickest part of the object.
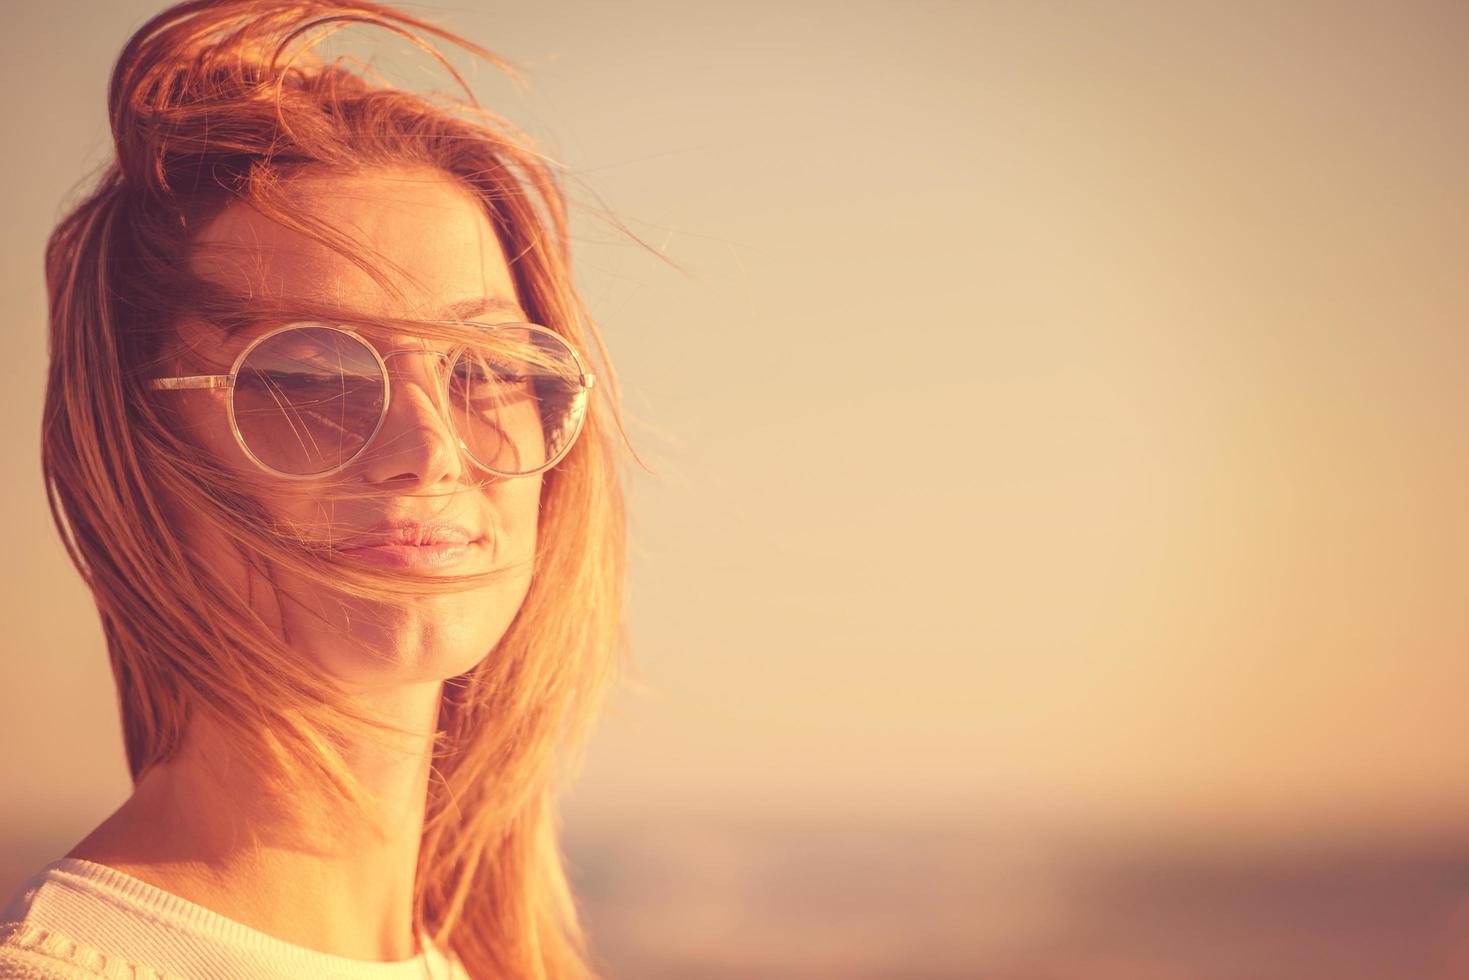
(307, 400)
(516, 400)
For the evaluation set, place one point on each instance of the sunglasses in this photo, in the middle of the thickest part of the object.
(307, 399)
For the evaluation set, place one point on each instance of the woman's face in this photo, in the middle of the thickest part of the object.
(431, 227)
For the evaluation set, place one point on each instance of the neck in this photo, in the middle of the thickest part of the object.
(209, 829)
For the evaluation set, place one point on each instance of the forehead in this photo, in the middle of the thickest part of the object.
(439, 245)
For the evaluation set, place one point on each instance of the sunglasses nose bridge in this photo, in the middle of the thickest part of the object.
(443, 366)
(441, 355)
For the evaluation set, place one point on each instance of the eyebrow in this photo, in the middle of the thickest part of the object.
(466, 309)
(479, 306)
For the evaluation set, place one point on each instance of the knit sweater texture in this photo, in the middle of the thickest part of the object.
(75, 919)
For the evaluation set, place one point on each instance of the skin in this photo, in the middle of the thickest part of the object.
(204, 828)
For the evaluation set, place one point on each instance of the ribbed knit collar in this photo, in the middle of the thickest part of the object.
(130, 898)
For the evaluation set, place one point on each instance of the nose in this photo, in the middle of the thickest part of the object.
(415, 446)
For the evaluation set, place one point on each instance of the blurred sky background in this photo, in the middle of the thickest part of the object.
(1053, 559)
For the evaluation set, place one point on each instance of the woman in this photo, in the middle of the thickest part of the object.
(323, 435)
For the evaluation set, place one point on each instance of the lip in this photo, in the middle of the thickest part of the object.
(409, 544)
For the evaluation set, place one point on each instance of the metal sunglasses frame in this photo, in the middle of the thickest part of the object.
(216, 381)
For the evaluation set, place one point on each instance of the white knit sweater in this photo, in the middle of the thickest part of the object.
(76, 919)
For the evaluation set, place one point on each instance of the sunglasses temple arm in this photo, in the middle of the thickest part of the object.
(195, 381)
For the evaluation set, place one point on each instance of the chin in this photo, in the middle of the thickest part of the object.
(441, 637)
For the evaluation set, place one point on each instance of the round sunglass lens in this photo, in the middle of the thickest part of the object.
(306, 400)
(516, 399)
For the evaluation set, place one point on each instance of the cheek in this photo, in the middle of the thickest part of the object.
(204, 422)
(515, 509)
(202, 418)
